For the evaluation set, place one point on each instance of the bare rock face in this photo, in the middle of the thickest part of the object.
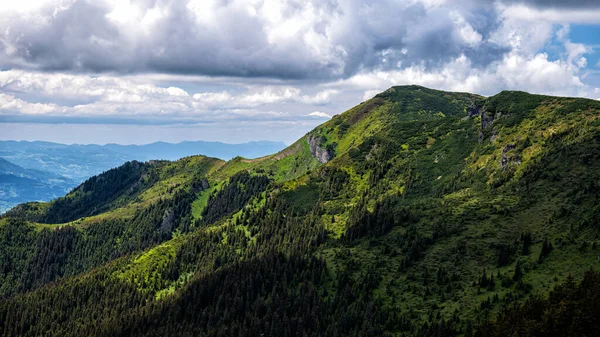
(473, 110)
(204, 184)
(322, 154)
(487, 118)
(168, 221)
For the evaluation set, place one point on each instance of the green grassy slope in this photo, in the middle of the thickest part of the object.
(418, 212)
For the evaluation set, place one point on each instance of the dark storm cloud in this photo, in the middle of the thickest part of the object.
(342, 38)
(75, 38)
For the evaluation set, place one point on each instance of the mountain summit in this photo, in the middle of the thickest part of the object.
(416, 213)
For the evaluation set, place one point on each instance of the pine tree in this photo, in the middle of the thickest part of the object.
(518, 272)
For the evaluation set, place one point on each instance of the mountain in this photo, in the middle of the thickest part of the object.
(66, 166)
(80, 162)
(18, 184)
(168, 151)
(77, 162)
(416, 213)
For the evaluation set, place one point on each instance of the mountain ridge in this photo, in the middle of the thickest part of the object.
(434, 212)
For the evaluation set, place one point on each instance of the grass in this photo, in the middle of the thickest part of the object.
(146, 267)
(200, 203)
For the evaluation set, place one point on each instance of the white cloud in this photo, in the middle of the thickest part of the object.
(553, 15)
(526, 36)
(257, 96)
(269, 95)
(321, 98)
(370, 94)
(540, 75)
(67, 85)
(174, 91)
(575, 52)
(24, 6)
(247, 38)
(563, 32)
(465, 31)
(319, 114)
(112, 96)
(214, 98)
(10, 104)
(515, 71)
(523, 67)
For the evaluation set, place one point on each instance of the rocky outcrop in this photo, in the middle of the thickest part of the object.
(487, 118)
(168, 221)
(322, 154)
(508, 147)
(473, 110)
(204, 185)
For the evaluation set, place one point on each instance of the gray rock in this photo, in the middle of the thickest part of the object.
(509, 147)
(205, 184)
(473, 110)
(318, 151)
(487, 119)
(168, 221)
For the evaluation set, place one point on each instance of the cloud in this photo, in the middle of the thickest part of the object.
(321, 98)
(465, 31)
(524, 65)
(554, 14)
(574, 51)
(243, 38)
(573, 4)
(525, 36)
(534, 73)
(370, 94)
(319, 114)
(109, 88)
(114, 96)
(285, 39)
(11, 104)
(265, 95)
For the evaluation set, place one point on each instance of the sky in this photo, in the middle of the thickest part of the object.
(134, 72)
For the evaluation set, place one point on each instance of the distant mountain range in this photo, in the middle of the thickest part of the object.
(18, 184)
(41, 171)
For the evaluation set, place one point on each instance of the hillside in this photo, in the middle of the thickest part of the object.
(416, 213)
